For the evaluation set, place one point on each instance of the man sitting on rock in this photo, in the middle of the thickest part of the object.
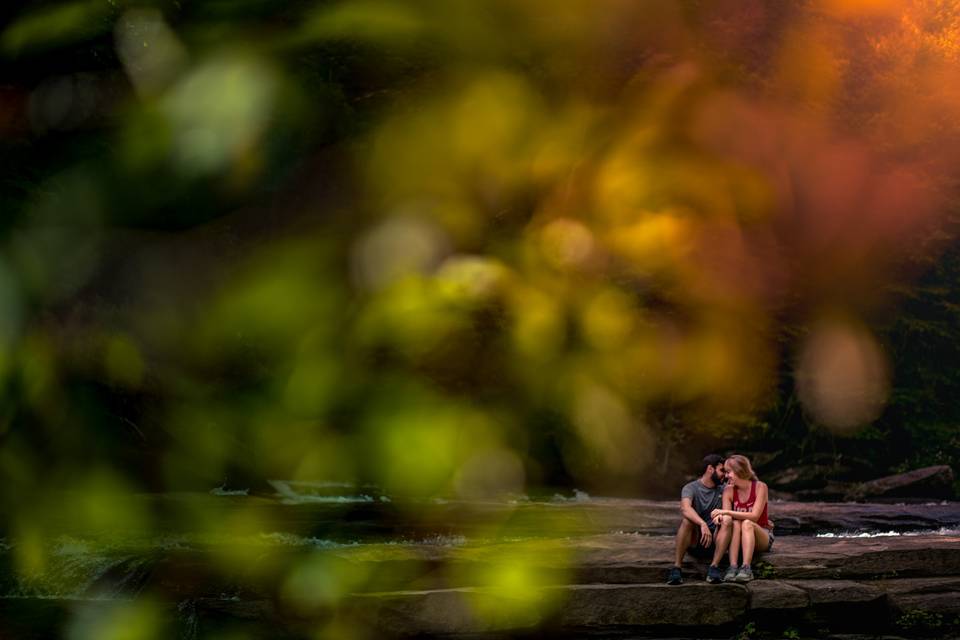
(697, 533)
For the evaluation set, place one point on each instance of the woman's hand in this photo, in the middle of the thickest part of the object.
(716, 514)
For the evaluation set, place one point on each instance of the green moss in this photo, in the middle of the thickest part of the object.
(764, 570)
(919, 619)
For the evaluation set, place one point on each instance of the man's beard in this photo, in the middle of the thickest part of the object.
(717, 478)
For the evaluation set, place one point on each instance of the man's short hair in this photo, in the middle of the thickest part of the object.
(710, 460)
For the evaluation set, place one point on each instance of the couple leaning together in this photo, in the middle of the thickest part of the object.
(724, 511)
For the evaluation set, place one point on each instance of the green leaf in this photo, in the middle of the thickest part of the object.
(58, 25)
(372, 21)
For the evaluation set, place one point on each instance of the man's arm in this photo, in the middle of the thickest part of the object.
(727, 505)
(688, 512)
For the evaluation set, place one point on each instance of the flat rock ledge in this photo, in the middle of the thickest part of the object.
(808, 587)
(605, 586)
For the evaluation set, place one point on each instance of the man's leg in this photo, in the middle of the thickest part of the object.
(684, 535)
(683, 541)
(722, 539)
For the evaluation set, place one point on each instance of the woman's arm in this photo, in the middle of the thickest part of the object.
(759, 503)
(716, 514)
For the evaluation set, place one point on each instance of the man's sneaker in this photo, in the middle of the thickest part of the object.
(745, 574)
(714, 576)
(675, 577)
(731, 574)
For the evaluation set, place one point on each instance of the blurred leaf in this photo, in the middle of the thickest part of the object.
(123, 362)
(53, 26)
(118, 620)
(219, 111)
(362, 20)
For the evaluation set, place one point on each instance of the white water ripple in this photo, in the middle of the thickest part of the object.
(942, 531)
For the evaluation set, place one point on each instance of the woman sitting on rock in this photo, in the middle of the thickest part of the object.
(745, 506)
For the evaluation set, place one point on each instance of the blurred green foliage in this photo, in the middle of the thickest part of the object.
(235, 231)
(463, 250)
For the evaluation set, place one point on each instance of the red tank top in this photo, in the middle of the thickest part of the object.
(747, 507)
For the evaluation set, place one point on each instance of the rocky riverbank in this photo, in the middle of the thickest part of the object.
(819, 482)
(809, 587)
(603, 586)
(599, 571)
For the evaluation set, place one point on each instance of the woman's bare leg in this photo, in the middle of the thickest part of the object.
(754, 537)
(747, 540)
(735, 544)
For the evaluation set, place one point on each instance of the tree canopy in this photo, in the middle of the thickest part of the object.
(471, 248)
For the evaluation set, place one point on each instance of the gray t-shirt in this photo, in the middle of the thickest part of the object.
(703, 499)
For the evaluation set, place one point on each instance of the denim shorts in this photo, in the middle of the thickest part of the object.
(699, 551)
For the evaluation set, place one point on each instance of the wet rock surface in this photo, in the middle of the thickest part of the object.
(802, 477)
(595, 516)
(606, 584)
(824, 477)
(576, 582)
(811, 587)
(776, 594)
(929, 482)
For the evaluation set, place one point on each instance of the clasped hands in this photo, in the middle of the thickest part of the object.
(717, 514)
(706, 536)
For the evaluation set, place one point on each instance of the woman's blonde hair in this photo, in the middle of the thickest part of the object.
(740, 465)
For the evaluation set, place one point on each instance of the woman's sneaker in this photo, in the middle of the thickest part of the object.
(675, 576)
(745, 574)
(731, 574)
